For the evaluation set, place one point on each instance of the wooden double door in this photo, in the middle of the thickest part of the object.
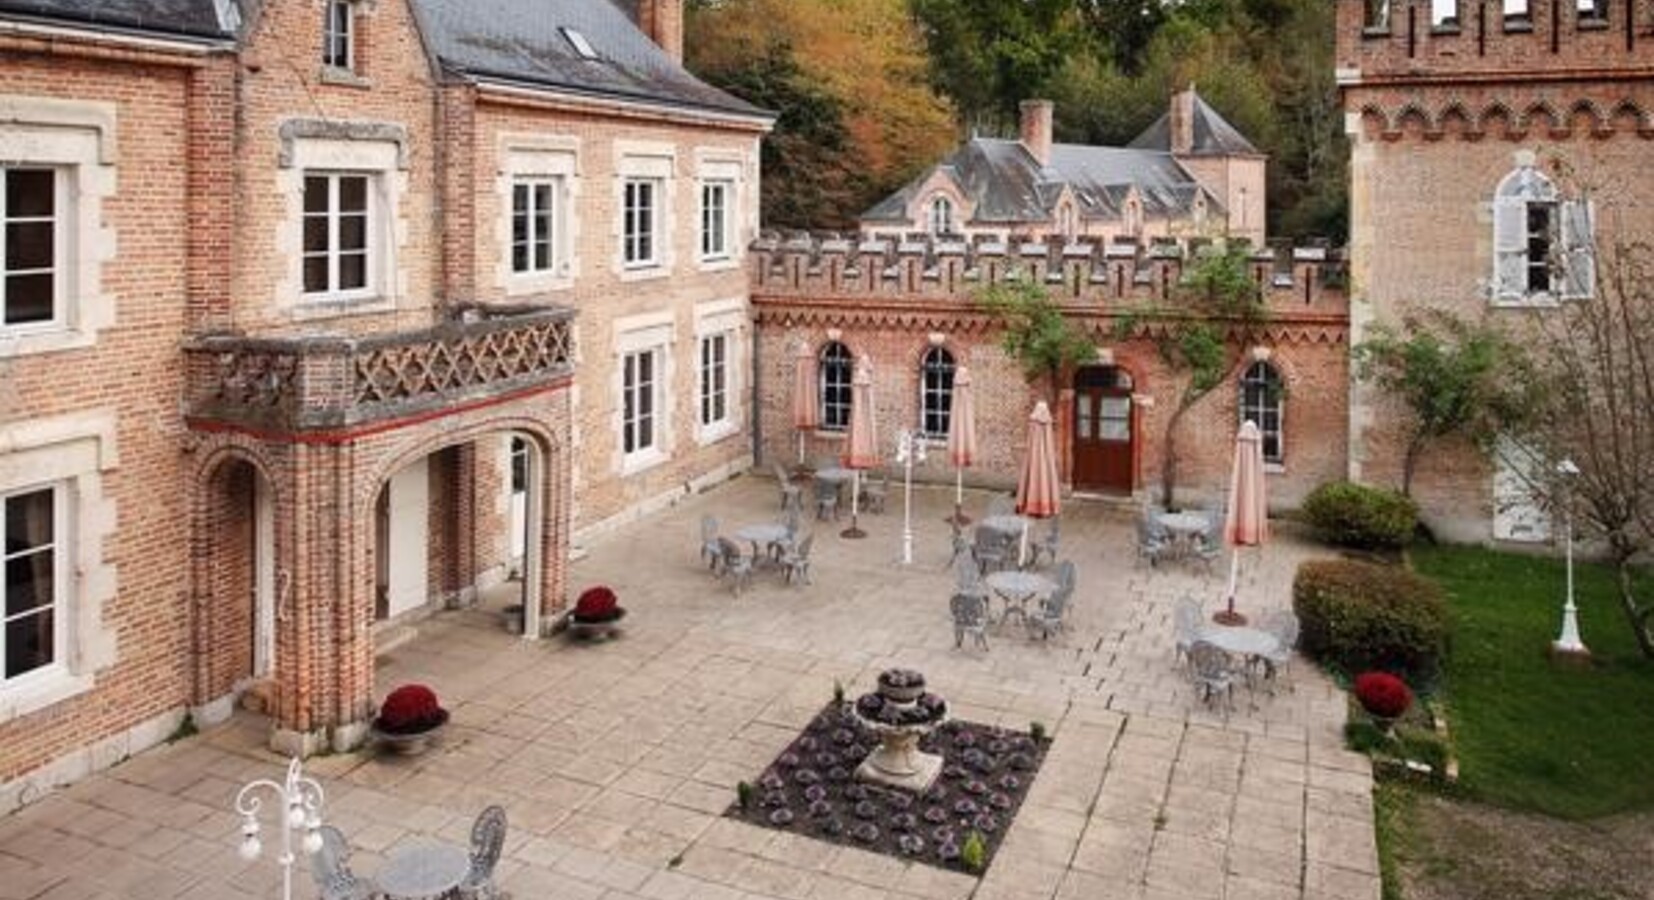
(1104, 430)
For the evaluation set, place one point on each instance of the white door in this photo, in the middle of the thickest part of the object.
(409, 532)
(264, 579)
(519, 499)
(1518, 514)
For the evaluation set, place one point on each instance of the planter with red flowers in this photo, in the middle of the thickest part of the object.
(408, 719)
(1384, 696)
(596, 615)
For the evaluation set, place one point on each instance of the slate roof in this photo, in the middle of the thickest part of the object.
(190, 18)
(523, 40)
(1006, 184)
(1213, 135)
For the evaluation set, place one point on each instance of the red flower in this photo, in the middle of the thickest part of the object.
(409, 709)
(596, 603)
(1383, 694)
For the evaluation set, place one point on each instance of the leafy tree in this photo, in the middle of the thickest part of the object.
(849, 78)
(989, 55)
(1037, 334)
(1456, 378)
(1215, 296)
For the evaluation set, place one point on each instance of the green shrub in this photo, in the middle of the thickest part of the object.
(974, 855)
(1367, 518)
(1357, 616)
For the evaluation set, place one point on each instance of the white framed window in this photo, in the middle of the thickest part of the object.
(338, 227)
(720, 354)
(941, 215)
(1262, 402)
(33, 524)
(534, 225)
(936, 393)
(836, 368)
(640, 223)
(1592, 11)
(716, 219)
(1444, 13)
(32, 233)
(714, 378)
(339, 35)
(1543, 245)
(640, 402)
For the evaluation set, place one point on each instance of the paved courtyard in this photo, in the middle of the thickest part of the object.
(615, 760)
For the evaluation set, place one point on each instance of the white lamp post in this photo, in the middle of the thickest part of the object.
(299, 799)
(1568, 642)
(910, 448)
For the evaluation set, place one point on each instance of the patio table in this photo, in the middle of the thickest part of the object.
(835, 476)
(1004, 524)
(1185, 530)
(430, 872)
(1016, 589)
(761, 536)
(1250, 644)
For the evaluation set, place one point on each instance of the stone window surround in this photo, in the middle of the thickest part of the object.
(1524, 186)
(78, 137)
(634, 334)
(652, 160)
(726, 317)
(712, 166)
(73, 451)
(376, 149)
(534, 156)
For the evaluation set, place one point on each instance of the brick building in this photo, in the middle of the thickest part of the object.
(1494, 145)
(907, 308)
(319, 314)
(1190, 174)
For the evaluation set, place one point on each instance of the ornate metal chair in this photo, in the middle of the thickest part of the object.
(1001, 505)
(961, 544)
(487, 838)
(1185, 628)
(710, 551)
(796, 560)
(330, 867)
(970, 616)
(826, 499)
(737, 565)
(1283, 624)
(1046, 545)
(1151, 539)
(1053, 610)
(874, 492)
(1213, 672)
(791, 495)
(992, 550)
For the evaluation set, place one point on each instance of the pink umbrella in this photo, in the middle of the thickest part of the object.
(863, 439)
(1248, 522)
(804, 394)
(961, 439)
(1037, 493)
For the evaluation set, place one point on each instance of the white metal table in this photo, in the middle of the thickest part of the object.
(1016, 589)
(1185, 530)
(761, 536)
(1004, 524)
(430, 872)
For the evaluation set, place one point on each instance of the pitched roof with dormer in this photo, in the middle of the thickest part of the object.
(529, 42)
(1007, 185)
(212, 19)
(1212, 134)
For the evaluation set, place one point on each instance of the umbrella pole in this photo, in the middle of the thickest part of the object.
(855, 502)
(1022, 550)
(959, 517)
(1228, 616)
(800, 448)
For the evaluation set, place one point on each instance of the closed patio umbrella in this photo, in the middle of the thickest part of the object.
(961, 439)
(863, 451)
(1248, 521)
(1038, 494)
(804, 394)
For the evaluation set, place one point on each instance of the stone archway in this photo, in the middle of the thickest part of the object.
(238, 584)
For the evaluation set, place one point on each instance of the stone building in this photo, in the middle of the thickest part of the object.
(1494, 146)
(907, 308)
(320, 314)
(1190, 174)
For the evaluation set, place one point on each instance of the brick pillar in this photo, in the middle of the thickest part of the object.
(210, 182)
(457, 208)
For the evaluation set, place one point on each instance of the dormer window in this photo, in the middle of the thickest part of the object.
(339, 35)
(941, 216)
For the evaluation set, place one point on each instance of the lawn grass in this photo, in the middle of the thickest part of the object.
(1564, 741)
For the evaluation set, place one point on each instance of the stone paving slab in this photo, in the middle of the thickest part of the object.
(615, 760)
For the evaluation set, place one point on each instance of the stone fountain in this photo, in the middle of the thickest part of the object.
(900, 714)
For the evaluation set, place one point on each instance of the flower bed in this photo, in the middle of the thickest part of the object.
(810, 789)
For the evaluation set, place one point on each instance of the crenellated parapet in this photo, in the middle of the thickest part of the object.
(1083, 276)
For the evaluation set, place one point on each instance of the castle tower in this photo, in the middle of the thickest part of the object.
(1489, 139)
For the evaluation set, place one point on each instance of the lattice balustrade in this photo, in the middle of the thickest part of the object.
(325, 381)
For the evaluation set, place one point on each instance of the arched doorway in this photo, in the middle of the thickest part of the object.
(238, 612)
(1104, 432)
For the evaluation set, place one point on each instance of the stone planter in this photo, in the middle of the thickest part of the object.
(410, 743)
(595, 629)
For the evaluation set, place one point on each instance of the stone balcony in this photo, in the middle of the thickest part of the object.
(325, 382)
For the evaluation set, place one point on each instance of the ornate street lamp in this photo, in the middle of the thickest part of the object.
(910, 448)
(299, 800)
(1568, 643)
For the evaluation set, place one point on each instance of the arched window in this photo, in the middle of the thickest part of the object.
(836, 369)
(941, 215)
(1261, 402)
(1543, 246)
(936, 392)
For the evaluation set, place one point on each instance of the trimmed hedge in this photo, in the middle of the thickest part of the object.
(1363, 517)
(1358, 616)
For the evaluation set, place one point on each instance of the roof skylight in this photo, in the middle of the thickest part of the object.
(580, 44)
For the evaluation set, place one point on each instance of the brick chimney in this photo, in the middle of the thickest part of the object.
(1036, 129)
(1183, 121)
(662, 21)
